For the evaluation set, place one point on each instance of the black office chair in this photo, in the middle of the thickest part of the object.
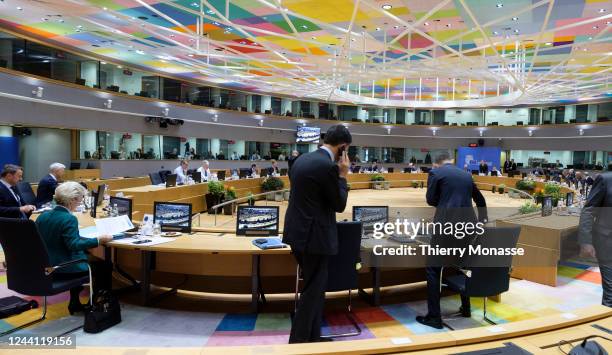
(343, 273)
(163, 174)
(28, 269)
(283, 171)
(155, 179)
(486, 275)
(390, 170)
(29, 198)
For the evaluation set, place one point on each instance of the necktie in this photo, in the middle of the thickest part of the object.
(16, 192)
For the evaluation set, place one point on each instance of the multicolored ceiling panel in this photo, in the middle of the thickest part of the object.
(393, 51)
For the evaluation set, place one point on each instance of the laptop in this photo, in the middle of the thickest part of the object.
(170, 180)
(197, 176)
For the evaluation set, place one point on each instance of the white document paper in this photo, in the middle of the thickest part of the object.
(401, 341)
(113, 225)
(496, 329)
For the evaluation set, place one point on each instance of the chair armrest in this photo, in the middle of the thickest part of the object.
(51, 269)
(466, 272)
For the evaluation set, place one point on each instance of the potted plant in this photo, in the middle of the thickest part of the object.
(230, 194)
(215, 194)
(414, 184)
(528, 207)
(501, 188)
(273, 185)
(286, 195)
(377, 181)
(526, 185)
(250, 199)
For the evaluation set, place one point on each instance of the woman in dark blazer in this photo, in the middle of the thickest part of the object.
(59, 229)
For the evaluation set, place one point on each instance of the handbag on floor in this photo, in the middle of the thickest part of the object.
(104, 312)
(13, 305)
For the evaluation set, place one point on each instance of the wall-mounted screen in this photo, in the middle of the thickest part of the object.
(308, 134)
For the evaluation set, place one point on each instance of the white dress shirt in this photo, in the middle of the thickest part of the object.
(181, 176)
(205, 173)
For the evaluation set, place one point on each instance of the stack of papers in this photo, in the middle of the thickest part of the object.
(107, 226)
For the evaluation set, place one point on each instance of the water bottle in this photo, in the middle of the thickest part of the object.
(114, 211)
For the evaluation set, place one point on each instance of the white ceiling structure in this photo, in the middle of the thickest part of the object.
(412, 53)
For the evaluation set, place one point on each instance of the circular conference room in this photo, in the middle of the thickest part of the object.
(306, 176)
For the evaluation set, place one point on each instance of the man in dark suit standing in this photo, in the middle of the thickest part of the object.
(11, 201)
(318, 191)
(294, 155)
(595, 231)
(507, 166)
(47, 185)
(451, 190)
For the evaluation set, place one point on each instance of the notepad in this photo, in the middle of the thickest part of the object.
(401, 341)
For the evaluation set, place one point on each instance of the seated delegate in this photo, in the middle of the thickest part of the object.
(11, 201)
(181, 172)
(204, 170)
(48, 184)
(59, 230)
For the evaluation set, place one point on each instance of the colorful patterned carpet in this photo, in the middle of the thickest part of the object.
(578, 286)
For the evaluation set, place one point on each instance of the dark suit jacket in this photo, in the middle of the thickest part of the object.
(272, 170)
(483, 168)
(291, 160)
(45, 191)
(59, 229)
(9, 207)
(451, 190)
(317, 193)
(596, 218)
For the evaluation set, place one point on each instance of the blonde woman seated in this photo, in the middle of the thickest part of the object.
(59, 229)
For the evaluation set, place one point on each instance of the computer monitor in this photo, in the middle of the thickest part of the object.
(98, 197)
(124, 206)
(197, 176)
(243, 173)
(369, 215)
(221, 175)
(75, 165)
(173, 216)
(170, 180)
(257, 220)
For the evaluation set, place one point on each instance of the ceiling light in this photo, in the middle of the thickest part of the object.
(104, 8)
(103, 63)
(45, 19)
(260, 123)
(601, 11)
(426, 24)
(434, 132)
(388, 130)
(313, 37)
(190, 55)
(377, 28)
(481, 133)
(19, 8)
(499, 6)
(387, 7)
(140, 52)
(581, 132)
(530, 132)
(119, 67)
(515, 19)
(215, 117)
(166, 111)
(516, 31)
(448, 25)
(584, 49)
(495, 33)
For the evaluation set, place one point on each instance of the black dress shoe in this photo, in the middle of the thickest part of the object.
(434, 322)
(75, 308)
(465, 312)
